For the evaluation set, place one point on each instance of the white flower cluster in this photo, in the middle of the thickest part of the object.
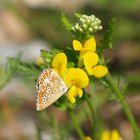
(89, 24)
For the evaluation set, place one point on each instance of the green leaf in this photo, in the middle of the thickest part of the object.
(61, 103)
(72, 57)
(48, 55)
(78, 15)
(8, 71)
(108, 36)
(66, 22)
(29, 70)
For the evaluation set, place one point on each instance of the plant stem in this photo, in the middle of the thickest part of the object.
(77, 126)
(38, 132)
(94, 117)
(38, 128)
(124, 105)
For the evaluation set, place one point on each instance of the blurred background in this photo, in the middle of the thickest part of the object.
(30, 25)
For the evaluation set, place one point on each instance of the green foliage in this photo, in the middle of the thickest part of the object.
(106, 42)
(29, 70)
(48, 55)
(83, 29)
(7, 72)
(61, 103)
(66, 22)
(16, 66)
(121, 84)
(108, 36)
(78, 15)
(72, 57)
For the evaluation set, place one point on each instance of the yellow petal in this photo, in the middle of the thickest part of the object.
(80, 92)
(99, 71)
(115, 135)
(77, 77)
(80, 61)
(90, 59)
(77, 46)
(69, 78)
(72, 93)
(59, 62)
(81, 78)
(105, 135)
(90, 44)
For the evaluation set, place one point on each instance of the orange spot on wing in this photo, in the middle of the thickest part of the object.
(40, 100)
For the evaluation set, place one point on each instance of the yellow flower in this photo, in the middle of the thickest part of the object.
(87, 138)
(89, 45)
(90, 58)
(59, 63)
(76, 79)
(114, 135)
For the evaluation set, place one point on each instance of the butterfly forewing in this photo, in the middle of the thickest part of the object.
(50, 87)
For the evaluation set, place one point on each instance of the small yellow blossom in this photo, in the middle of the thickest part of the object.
(76, 79)
(87, 138)
(90, 58)
(114, 135)
(39, 61)
(89, 45)
(59, 63)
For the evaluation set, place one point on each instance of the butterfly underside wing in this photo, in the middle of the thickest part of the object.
(50, 88)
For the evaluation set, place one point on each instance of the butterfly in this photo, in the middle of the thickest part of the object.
(50, 87)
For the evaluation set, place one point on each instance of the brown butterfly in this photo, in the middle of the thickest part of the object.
(50, 88)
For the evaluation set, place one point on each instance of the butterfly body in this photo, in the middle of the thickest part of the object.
(50, 87)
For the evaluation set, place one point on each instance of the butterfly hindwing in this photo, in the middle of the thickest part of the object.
(50, 88)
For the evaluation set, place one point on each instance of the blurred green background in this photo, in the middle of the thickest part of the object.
(30, 25)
